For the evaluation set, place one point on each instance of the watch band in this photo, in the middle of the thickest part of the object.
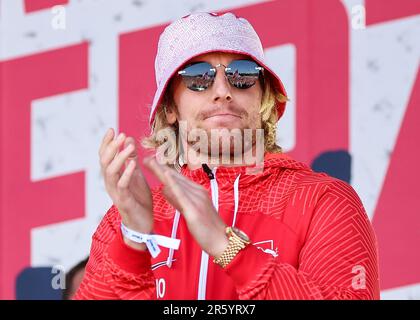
(237, 241)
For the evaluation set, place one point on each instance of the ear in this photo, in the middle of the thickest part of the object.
(170, 115)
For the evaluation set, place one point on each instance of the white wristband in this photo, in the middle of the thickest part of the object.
(152, 241)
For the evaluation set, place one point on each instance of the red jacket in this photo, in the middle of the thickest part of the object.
(311, 239)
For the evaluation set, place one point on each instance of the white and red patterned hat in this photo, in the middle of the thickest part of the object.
(201, 33)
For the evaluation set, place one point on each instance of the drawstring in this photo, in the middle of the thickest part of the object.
(173, 235)
(236, 197)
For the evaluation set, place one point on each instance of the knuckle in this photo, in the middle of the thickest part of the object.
(121, 185)
(109, 171)
(102, 162)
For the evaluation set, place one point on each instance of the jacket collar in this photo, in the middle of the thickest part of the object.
(249, 174)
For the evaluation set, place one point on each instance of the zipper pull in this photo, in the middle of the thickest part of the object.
(208, 171)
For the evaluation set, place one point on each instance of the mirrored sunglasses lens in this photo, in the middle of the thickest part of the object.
(243, 74)
(199, 76)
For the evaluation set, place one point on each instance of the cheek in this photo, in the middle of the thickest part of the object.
(188, 107)
(252, 102)
(185, 101)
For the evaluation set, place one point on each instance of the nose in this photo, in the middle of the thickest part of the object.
(221, 88)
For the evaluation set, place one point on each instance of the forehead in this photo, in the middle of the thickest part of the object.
(218, 57)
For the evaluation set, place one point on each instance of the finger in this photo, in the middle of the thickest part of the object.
(109, 135)
(114, 169)
(185, 188)
(124, 181)
(183, 197)
(111, 150)
(187, 183)
(179, 177)
(157, 169)
(173, 200)
(129, 140)
(160, 170)
(138, 184)
(133, 155)
(176, 195)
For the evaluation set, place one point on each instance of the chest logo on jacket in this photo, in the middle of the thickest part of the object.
(267, 246)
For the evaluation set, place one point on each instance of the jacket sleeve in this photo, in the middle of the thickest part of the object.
(338, 259)
(114, 270)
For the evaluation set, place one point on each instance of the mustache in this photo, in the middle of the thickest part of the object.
(233, 109)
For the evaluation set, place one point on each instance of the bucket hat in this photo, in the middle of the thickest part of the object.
(201, 33)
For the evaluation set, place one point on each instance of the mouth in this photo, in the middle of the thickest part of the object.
(223, 116)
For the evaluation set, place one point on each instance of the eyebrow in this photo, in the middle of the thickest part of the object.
(190, 62)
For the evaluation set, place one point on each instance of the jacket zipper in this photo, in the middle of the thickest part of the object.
(202, 283)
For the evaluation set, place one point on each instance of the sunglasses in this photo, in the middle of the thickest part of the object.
(241, 74)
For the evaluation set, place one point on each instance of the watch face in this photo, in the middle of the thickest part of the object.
(241, 234)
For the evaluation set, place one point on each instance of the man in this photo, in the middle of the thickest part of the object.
(73, 279)
(247, 228)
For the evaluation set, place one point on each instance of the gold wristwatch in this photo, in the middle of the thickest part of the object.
(238, 240)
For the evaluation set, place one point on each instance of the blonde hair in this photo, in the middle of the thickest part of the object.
(270, 98)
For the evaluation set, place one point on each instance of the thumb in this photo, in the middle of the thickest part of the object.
(138, 178)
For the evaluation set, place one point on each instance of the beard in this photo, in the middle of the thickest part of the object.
(221, 145)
